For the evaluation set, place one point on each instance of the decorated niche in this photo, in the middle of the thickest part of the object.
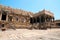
(22, 20)
(9, 18)
(16, 18)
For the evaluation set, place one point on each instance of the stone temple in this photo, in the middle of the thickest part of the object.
(16, 18)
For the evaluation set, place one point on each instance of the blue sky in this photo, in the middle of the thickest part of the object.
(35, 5)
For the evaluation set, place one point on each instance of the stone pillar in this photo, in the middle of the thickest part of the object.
(53, 19)
(36, 20)
(0, 15)
(33, 20)
(39, 19)
(7, 17)
(45, 18)
(45, 23)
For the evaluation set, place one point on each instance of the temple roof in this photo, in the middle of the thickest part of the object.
(44, 12)
(16, 11)
(19, 11)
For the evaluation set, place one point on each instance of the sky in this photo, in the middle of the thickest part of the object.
(35, 5)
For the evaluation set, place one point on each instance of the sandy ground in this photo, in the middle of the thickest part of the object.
(25, 34)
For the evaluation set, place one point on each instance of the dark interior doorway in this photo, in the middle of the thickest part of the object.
(58, 24)
(38, 20)
(3, 16)
(42, 19)
(30, 20)
(34, 20)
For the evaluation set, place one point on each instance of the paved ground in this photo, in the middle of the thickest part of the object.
(25, 34)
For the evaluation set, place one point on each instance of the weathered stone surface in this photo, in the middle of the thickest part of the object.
(24, 34)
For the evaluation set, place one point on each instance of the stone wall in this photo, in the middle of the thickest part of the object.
(14, 18)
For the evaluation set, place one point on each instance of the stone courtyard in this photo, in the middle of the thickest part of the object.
(25, 34)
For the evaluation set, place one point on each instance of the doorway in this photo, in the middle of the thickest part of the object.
(3, 16)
